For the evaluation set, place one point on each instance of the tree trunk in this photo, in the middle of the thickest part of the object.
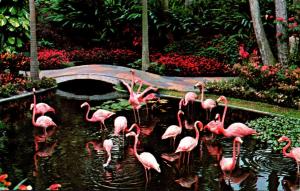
(262, 41)
(281, 31)
(294, 41)
(145, 43)
(34, 65)
(165, 5)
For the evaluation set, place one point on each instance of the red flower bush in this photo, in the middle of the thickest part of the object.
(189, 65)
(13, 62)
(52, 59)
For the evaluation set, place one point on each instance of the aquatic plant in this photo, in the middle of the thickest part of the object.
(272, 128)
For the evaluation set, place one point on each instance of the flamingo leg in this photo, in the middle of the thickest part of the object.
(138, 114)
(174, 142)
(298, 163)
(147, 110)
(188, 159)
(146, 173)
(134, 115)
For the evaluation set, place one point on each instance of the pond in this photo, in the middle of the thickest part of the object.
(68, 157)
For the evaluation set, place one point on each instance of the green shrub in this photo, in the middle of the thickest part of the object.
(272, 128)
(47, 82)
(8, 90)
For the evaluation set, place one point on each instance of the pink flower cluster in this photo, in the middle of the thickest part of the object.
(52, 58)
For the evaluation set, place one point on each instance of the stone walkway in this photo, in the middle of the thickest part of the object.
(113, 74)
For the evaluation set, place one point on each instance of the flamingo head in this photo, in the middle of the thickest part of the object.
(84, 104)
(238, 139)
(31, 106)
(283, 138)
(131, 134)
(199, 124)
(198, 84)
(221, 99)
(217, 117)
(136, 126)
(180, 112)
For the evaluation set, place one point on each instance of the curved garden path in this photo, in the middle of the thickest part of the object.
(112, 74)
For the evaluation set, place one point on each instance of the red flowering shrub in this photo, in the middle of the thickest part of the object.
(52, 59)
(13, 62)
(189, 65)
(103, 56)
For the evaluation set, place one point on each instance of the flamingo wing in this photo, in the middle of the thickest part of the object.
(171, 131)
(240, 130)
(149, 161)
(296, 153)
(214, 126)
(209, 103)
(101, 115)
(186, 144)
(45, 121)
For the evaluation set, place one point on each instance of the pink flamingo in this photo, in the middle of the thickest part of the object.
(235, 129)
(174, 130)
(120, 125)
(42, 121)
(207, 104)
(146, 158)
(187, 144)
(214, 125)
(99, 115)
(42, 108)
(294, 152)
(107, 144)
(228, 164)
(135, 98)
(189, 97)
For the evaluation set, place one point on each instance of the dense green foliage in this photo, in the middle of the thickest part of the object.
(272, 128)
(14, 25)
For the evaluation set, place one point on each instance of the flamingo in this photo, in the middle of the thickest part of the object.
(189, 97)
(99, 115)
(120, 125)
(234, 130)
(207, 104)
(107, 144)
(174, 130)
(41, 121)
(214, 125)
(136, 98)
(187, 144)
(228, 164)
(42, 108)
(294, 152)
(146, 158)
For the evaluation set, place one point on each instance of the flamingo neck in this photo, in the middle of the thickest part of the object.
(233, 154)
(136, 137)
(224, 112)
(179, 120)
(34, 110)
(197, 132)
(284, 149)
(140, 87)
(202, 93)
(87, 113)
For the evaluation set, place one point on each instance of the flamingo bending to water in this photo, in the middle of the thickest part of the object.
(41, 121)
(228, 164)
(187, 144)
(107, 144)
(99, 115)
(42, 108)
(207, 104)
(294, 152)
(174, 130)
(146, 158)
(235, 129)
(189, 97)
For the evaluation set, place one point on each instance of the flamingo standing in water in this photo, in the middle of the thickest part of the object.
(214, 125)
(187, 144)
(135, 98)
(228, 164)
(189, 97)
(174, 130)
(294, 152)
(42, 121)
(235, 129)
(120, 125)
(99, 115)
(42, 108)
(207, 104)
(146, 158)
(107, 144)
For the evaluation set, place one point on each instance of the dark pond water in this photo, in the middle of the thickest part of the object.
(64, 158)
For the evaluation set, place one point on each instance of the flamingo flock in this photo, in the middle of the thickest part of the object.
(187, 143)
